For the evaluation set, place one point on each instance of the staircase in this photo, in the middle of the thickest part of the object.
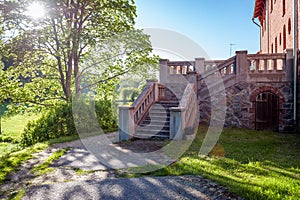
(157, 122)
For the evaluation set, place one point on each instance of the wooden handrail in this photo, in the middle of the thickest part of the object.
(142, 104)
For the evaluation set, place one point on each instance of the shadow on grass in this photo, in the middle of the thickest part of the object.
(253, 164)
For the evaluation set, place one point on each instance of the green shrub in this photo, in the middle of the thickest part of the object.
(59, 122)
(106, 117)
(54, 123)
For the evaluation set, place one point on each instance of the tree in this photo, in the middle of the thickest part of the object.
(54, 54)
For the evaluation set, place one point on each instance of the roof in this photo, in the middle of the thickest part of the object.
(259, 9)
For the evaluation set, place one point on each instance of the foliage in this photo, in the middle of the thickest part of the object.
(55, 56)
(59, 122)
(13, 126)
(6, 147)
(9, 162)
(106, 118)
(252, 164)
(56, 122)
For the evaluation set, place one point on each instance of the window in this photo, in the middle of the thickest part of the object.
(289, 26)
(271, 6)
(280, 39)
(272, 49)
(283, 7)
(284, 37)
(276, 45)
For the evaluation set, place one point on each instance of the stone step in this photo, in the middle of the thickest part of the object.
(151, 135)
(163, 118)
(155, 122)
(153, 127)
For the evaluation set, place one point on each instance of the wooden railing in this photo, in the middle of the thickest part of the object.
(142, 104)
(260, 63)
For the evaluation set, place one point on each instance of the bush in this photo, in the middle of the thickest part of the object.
(106, 118)
(54, 123)
(59, 122)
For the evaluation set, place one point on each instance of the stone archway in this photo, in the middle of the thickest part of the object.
(267, 111)
(266, 101)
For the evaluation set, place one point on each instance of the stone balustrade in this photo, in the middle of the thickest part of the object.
(247, 67)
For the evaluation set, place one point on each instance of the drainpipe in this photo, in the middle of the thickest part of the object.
(253, 20)
(295, 52)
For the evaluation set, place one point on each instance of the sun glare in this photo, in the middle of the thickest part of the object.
(35, 10)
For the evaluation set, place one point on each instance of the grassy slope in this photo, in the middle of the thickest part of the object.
(12, 127)
(255, 165)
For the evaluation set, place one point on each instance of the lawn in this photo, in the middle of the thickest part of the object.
(12, 126)
(252, 164)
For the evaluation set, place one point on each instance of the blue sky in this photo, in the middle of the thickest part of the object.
(213, 24)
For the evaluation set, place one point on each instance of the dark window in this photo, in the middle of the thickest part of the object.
(280, 39)
(283, 7)
(289, 26)
(272, 49)
(276, 45)
(284, 37)
(271, 6)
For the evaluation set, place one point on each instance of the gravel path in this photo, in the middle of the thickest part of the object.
(160, 188)
(101, 183)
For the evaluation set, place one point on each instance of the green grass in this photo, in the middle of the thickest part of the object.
(252, 164)
(18, 195)
(83, 172)
(10, 161)
(6, 147)
(13, 126)
(63, 139)
(44, 167)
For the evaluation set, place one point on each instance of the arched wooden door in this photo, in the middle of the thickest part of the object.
(266, 111)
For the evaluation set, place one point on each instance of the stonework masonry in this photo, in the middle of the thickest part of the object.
(240, 80)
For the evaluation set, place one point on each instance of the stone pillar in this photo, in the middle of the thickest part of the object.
(163, 71)
(200, 65)
(289, 62)
(176, 123)
(241, 65)
(126, 123)
(192, 78)
(156, 92)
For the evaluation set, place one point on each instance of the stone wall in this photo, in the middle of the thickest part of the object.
(240, 102)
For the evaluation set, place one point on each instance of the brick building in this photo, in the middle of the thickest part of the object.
(276, 19)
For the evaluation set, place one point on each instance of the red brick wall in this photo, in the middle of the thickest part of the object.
(276, 22)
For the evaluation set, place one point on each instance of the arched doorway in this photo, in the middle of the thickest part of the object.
(266, 111)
